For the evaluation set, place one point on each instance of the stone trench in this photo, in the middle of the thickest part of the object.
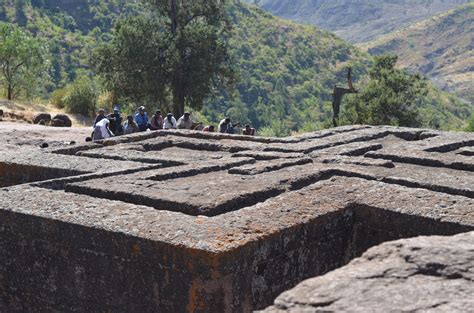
(199, 222)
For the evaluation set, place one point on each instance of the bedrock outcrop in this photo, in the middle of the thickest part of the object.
(423, 274)
(183, 221)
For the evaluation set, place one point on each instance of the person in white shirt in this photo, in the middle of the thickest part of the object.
(185, 122)
(169, 122)
(224, 125)
(101, 130)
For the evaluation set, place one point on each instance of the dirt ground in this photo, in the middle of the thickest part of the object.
(21, 135)
(26, 111)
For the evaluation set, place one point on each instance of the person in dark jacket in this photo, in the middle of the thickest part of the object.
(100, 116)
(115, 122)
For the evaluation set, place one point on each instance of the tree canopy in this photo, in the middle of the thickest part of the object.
(178, 52)
(22, 60)
(391, 97)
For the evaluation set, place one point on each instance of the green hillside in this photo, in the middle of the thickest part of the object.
(287, 70)
(71, 29)
(358, 20)
(440, 47)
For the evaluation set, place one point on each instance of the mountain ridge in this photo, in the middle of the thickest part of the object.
(358, 21)
(441, 47)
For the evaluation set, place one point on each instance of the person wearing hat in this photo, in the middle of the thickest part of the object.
(156, 121)
(141, 118)
(115, 122)
(169, 122)
(185, 122)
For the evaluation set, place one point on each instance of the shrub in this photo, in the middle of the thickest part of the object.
(57, 97)
(470, 126)
(81, 97)
(105, 100)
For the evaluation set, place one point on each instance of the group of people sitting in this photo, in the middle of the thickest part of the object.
(106, 126)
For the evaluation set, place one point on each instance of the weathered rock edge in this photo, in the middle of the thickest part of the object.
(422, 274)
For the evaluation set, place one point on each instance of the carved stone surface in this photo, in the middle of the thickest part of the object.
(423, 274)
(200, 222)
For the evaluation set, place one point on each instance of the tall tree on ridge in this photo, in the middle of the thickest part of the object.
(178, 50)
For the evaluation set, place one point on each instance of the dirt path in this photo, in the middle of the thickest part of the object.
(18, 135)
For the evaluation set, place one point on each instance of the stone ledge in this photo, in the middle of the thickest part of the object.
(420, 274)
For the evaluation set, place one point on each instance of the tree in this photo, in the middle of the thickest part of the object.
(178, 51)
(20, 16)
(391, 97)
(22, 60)
(133, 64)
(470, 126)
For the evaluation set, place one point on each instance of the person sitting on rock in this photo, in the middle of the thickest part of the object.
(224, 125)
(100, 116)
(249, 131)
(185, 122)
(156, 121)
(209, 129)
(234, 128)
(101, 130)
(130, 127)
(1, 115)
(141, 118)
(116, 122)
(169, 122)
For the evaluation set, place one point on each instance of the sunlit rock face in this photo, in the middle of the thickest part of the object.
(202, 222)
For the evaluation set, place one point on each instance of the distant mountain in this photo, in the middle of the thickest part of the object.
(358, 21)
(442, 48)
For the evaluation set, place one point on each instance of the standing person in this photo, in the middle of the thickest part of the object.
(156, 121)
(249, 131)
(185, 122)
(169, 122)
(100, 116)
(141, 118)
(224, 125)
(116, 122)
(130, 127)
(101, 130)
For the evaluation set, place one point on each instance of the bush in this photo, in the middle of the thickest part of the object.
(57, 97)
(81, 97)
(105, 100)
(470, 126)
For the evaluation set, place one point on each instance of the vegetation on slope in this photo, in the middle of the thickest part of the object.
(394, 97)
(358, 20)
(440, 47)
(287, 71)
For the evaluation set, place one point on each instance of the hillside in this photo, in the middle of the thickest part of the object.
(287, 70)
(442, 48)
(358, 20)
